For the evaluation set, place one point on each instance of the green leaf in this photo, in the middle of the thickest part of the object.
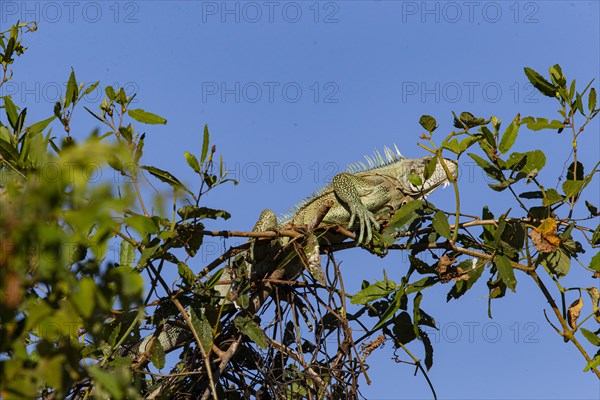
(510, 135)
(595, 263)
(592, 100)
(127, 132)
(6, 135)
(536, 124)
(192, 161)
(129, 279)
(110, 92)
(441, 225)
(532, 195)
(139, 151)
(122, 98)
(94, 114)
(421, 284)
(213, 280)
(481, 162)
(106, 382)
(557, 75)
(489, 169)
(40, 126)
(461, 287)
(551, 197)
(393, 306)
(146, 117)
(415, 180)
(591, 208)
(402, 329)
(506, 272)
(591, 337)
(205, 143)
(571, 188)
(430, 168)
(428, 350)
(405, 215)
(157, 355)
(166, 177)
(420, 266)
(452, 145)
(83, 297)
(127, 255)
(596, 236)
(572, 90)
(540, 83)
(186, 274)
(8, 151)
(251, 329)
(559, 262)
(428, 123)
(142, 224)
(21, 121)
(417, 313)
(579, 104)
(91, 88)
(374, 291)
(203, 329)
(594, 363)
(536, 160)
(188, 212)
(468, 120)
(488, 136)
(11, 111)
(575, 171)
(146, 254)
(72, 90)
(466, 143)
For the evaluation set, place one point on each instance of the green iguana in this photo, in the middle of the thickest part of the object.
(364, 193)
(362, 197)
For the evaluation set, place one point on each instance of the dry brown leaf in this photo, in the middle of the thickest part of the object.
(544, 237)
(447, 272)
(595, 296)
(461, 275)
(443, 263)
(574, 312)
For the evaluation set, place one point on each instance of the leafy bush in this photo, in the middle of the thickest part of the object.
(72, 315)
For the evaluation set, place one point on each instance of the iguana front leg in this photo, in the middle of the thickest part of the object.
(348, 189)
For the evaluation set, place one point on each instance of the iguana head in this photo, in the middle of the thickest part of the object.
(416, 168)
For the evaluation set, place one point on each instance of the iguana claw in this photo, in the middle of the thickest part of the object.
(367, 222)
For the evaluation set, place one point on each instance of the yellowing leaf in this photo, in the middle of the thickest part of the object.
(544, 237)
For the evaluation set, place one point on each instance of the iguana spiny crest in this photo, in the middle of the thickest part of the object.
(364, 193)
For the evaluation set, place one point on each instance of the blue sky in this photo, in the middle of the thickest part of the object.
(294, 91)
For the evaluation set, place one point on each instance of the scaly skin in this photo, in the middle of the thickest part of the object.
(362, 197)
